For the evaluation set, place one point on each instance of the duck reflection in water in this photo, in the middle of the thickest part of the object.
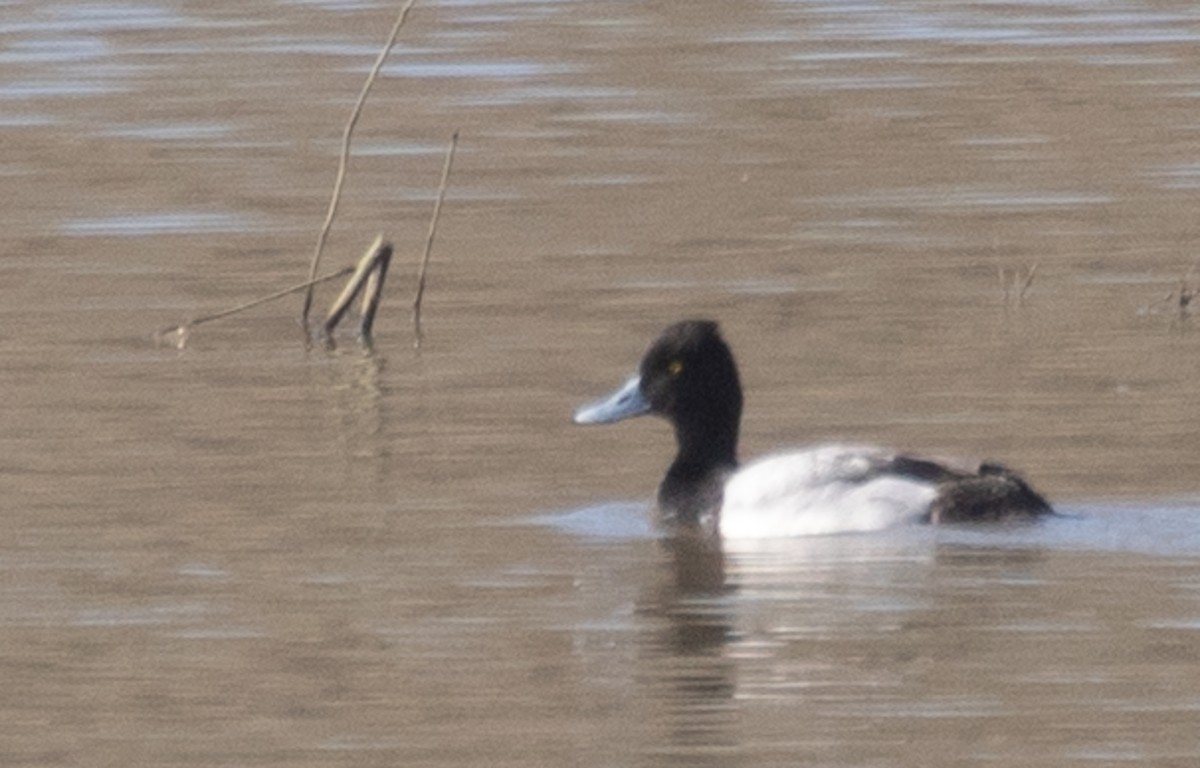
(689, 669)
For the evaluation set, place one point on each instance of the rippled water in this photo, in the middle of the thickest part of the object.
(958, 227)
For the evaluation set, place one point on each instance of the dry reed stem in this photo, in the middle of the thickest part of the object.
(370, 271)
(185, 328)
(372, 295)
(344, 158)
(433, 222)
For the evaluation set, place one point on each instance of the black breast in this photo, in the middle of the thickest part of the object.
(692, 494)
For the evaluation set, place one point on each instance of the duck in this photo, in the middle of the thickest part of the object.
(688, 377)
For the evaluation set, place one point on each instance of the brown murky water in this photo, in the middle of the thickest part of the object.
(246, 554)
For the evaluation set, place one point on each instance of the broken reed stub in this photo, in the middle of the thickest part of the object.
(369, 274)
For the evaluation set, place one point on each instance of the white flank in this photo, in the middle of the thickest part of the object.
(825, 489)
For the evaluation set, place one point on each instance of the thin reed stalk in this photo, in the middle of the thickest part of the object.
(433, 223)
(184, 329)
(344, 158)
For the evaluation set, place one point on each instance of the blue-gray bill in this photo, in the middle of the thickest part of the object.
(625, 403)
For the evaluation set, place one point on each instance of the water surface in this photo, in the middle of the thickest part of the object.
(246, 553)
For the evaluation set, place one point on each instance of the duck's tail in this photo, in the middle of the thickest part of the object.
(989, 492)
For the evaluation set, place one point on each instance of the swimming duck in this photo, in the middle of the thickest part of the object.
(688, 376)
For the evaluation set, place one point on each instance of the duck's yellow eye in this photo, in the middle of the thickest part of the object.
(675, 367)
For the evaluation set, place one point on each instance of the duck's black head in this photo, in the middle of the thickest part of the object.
(687, 376)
